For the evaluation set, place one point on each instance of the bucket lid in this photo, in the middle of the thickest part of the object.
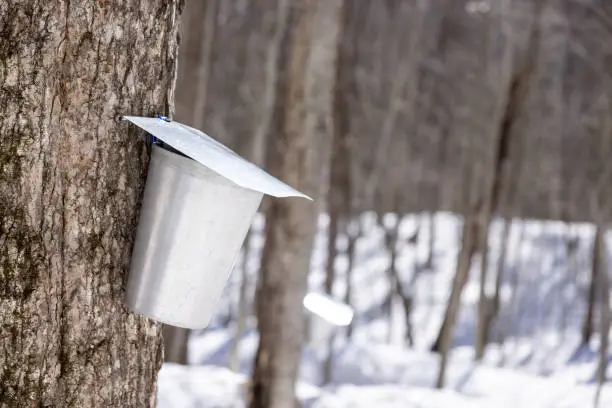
(212, 154)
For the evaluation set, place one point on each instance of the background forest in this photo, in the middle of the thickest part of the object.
(459, 156)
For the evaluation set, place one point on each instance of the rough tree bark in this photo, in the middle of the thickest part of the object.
(303, 130)
(70, 182)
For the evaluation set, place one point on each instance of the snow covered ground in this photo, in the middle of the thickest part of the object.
(539, 365)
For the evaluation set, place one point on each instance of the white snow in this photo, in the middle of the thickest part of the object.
(540, 365)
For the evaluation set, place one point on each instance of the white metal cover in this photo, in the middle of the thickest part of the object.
(217, 157)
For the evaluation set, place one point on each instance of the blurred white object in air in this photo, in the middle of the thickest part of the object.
(329, 309)
(199, 201)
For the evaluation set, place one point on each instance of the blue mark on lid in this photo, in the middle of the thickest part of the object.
(160, 117)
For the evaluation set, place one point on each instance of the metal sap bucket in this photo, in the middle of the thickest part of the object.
(193, 221)
(192, 225)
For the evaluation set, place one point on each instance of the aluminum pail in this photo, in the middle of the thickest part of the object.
(192, 224)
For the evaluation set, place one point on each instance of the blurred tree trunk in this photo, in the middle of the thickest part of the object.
(259, 149)
(569, 278)
(330, 275)
(243, 310)
(71, 180)
(511, 311)
(391, 244)
(341, 179)
(175, 344)
(209, 23)
(588, 324)
(304, 129)
(406, 292)
(605, 318)
(339, 192)
(407, 303)
(431, 221)
(600, 207)
(484, 308)
(192, 31)
(501, 268)
(400, 105)
(353, 232)
(273, 54)
(197, 34)
(495, 198)
(443, 343)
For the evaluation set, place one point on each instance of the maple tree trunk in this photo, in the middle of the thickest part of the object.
(71, 181)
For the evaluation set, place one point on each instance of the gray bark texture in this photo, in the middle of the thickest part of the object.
(303, 132)
(71, 177)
